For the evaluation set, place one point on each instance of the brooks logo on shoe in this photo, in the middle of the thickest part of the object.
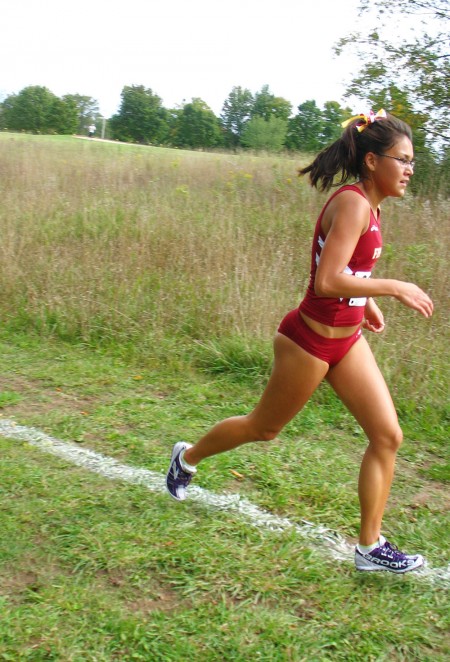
(390, 564)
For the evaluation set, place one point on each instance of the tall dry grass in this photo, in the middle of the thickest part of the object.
(106, 242)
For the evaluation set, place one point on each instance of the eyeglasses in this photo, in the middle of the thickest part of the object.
(400, 159)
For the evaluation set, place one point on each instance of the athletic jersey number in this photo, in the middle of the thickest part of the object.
(357, 301)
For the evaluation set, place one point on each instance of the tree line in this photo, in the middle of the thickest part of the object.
(260, 121)
(409, 76)
(405, 73)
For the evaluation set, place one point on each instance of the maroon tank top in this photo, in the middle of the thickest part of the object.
(340, 311)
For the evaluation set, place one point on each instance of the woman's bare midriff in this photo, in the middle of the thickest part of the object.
(329, 331)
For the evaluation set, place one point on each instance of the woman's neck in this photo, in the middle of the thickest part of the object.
(373, 196)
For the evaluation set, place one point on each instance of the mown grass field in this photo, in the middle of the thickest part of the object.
(140, 289)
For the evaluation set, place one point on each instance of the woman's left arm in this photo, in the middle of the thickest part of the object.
(373, 317)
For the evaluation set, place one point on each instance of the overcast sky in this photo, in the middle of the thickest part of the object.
(179, 48)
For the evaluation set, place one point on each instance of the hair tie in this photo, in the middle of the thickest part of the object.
(364, 120)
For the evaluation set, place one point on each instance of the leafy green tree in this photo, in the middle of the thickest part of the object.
(37, 110)
(262, 134)
(312, 129)
(236, 112)
(332, 117)
(196, 126)
(87, 109)
(62, 117)
(267, 105)
(306, 129)
(141, 117)
(417, 62)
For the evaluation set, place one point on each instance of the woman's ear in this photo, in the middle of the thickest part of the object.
(370, 161)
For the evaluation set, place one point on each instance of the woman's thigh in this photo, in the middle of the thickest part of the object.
(295, 376)
(358, 382)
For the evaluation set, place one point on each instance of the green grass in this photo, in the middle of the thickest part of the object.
(140, 288)
(97, 570)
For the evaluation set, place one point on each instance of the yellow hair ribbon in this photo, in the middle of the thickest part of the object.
(364, 120)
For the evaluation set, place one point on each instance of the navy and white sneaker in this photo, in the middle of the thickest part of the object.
(178, 477)
(387, 557)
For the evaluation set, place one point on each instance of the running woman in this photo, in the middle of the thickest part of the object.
(322, 338)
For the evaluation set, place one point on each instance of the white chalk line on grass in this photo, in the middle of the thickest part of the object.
(109, 468)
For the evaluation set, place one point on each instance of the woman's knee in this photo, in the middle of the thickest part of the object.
(268, 434)
(261, 431)
(396, 438)
(388, 440)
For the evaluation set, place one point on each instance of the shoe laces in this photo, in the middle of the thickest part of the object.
(392, 550)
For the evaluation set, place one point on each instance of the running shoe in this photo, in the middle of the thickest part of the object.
(177, 477)
(387, 557)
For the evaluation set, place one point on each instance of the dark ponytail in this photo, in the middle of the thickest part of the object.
(346, 155)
